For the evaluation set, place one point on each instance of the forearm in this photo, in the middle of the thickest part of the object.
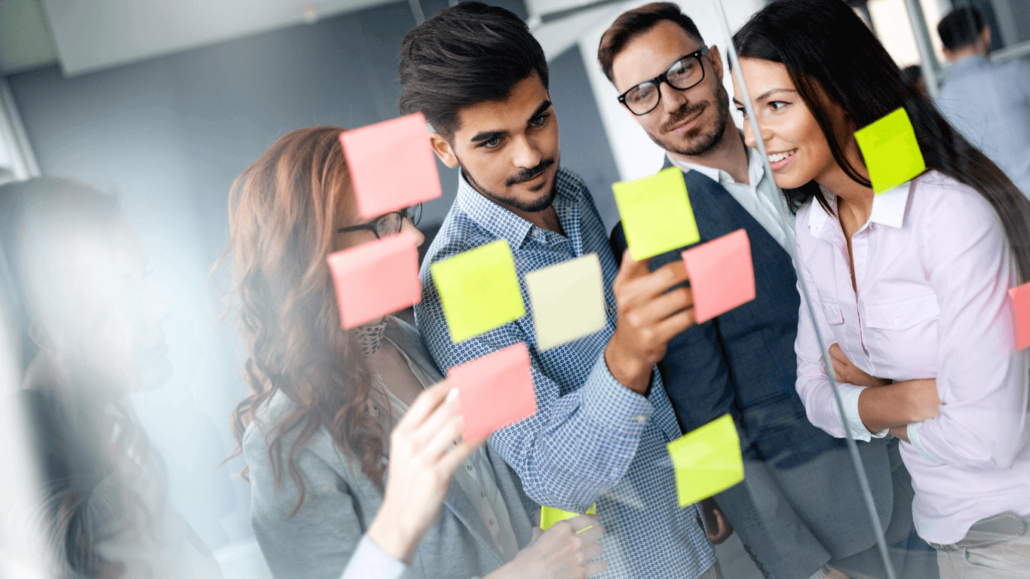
(885, 407)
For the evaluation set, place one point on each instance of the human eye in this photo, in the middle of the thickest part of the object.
(538, 122)
(492, 143)
(777, 105)
(641, 94)
(742, 111)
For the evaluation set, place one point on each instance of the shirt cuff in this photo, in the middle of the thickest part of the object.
(849, 400)
(606, 401)
(913, 437)
(370, 561)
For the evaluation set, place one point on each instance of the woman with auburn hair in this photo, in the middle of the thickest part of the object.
(910, 286)
(349, 445)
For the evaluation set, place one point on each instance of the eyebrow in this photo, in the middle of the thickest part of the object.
(769, 92)
(487, 135)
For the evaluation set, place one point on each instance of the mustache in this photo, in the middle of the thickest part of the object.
(684, 112)
(527, 174)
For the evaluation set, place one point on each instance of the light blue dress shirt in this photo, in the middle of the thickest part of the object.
(592, 439)
(990, 105)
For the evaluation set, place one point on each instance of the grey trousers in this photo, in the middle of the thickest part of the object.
(997, 546)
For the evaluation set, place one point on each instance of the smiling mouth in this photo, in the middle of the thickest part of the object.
(781, 158)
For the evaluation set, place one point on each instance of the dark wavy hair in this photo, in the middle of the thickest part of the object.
(848, 80)
(281, 215)
(463, 55)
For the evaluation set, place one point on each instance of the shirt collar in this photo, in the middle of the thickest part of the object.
(501, 222)
(888, 208)
(970, 62)
(755, 169)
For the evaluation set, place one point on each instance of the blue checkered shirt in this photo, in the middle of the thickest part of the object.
(592, 439)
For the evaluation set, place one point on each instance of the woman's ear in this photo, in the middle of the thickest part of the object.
(443, 149)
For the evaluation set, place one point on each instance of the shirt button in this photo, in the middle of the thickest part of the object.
(470, 467)
(482, 494)
(640, 418)
(491, 521)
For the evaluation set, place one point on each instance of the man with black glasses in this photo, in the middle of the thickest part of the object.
(799, 511)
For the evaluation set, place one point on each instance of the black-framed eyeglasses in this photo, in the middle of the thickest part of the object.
(684, 74)
(388, 224)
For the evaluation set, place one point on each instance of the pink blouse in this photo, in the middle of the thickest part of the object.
(933, 268)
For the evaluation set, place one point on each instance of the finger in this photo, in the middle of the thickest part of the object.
(424, 404)
(655, 283)
(536, 535)
(665, 305)
(674, 325)
(436, 442)
(592, 550)
(596, 568)
(580, 522)
(630, 268)
(591, 534)
(434, 423)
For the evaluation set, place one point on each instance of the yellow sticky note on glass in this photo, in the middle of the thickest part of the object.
(567, 300)
(550, 516)
(479, 290)
(656, 213)
(891, 151)
(707, 460)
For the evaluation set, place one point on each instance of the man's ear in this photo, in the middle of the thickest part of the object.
(985, 38)
(716, 59)
(948, 55)
(443, 149)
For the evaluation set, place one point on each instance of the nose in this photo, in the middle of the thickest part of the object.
(408, 226)
(526, 154)
(672, 99)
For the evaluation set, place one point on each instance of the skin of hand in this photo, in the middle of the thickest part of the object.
(848, 373)
(563, 551)
(900, 432)
(423, 456)
(899, 404)
(650, 314)
(719, 528)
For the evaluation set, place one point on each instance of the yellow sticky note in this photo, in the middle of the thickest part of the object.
(891, 151)
(707, 460)
(567, 300)
(656, 213)
(550, 516)
(479, 290)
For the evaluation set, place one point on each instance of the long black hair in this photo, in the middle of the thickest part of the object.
(832, 56)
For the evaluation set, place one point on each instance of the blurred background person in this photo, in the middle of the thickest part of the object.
(320, 429)
(988, 103)
(92, 327)
(916, 316)
(912, 77)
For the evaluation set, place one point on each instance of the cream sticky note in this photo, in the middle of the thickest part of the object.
(479, 290)
(376, 278)
(707, 460)
(549, 516)
(656, 213)
(494, 391)
(391, 164)
(721, 274)
(891, 151)
(1021, 300)
(567, 300)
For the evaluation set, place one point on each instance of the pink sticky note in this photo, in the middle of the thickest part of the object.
(391, 165)
(376, 278)
(721, 274)
(1021, 299)
(494, 391)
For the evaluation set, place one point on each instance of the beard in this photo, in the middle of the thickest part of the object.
(531, 206)
(700, 139)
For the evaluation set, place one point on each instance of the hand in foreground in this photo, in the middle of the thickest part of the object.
(719, 529)
(649, 316)
(848, 373)
(423, 457)
(560, 552)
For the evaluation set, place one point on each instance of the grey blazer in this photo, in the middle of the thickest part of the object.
(340, 503)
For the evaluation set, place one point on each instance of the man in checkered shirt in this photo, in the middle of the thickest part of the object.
(603, 418)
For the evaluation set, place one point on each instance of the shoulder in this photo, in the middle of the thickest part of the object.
(458, 233)
(949, 204)
(260, 437)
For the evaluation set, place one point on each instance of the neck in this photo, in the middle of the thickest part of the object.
(853, 197)
(546, 219)
(964, 53)
(729, 155)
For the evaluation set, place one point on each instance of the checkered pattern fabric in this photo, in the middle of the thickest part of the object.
(592, 439)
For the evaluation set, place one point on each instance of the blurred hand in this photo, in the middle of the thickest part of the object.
(560, 552)
(649, 316)
(719, 529)
(423, 457)
(921, 399)
(848, 373)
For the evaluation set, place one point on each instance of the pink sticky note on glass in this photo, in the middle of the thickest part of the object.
(391, 165)
(376, 278)
(494, 391)
(1021, 299)
(721, 274)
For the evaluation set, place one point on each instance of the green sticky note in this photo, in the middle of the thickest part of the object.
(550, 516)
(567, 301)
(656, 213)
(707, 460)
(479, 290)
(891, 151)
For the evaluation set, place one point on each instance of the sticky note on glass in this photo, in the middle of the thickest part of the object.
(391, 165)
(1021, 299)
(567, 301)
(707, 460)
(721, 274)
(549, 516)
(479, 290)
(656, 213)
(891, 151)
(376, 278)
(494, 391)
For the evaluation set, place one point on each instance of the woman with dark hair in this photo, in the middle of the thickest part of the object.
(92, 337)
(909, 285)
(332, 410)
